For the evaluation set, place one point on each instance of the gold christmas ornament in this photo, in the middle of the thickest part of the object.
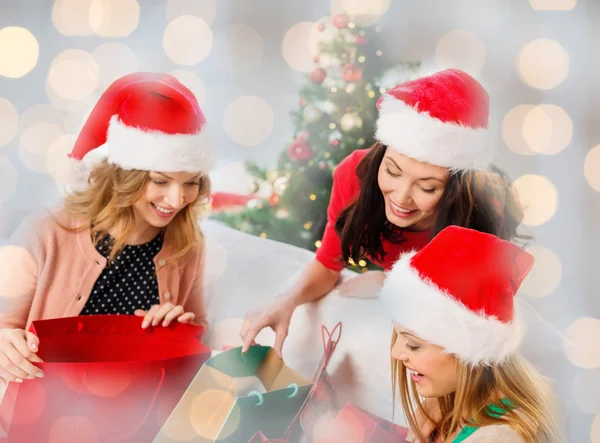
(350, 122)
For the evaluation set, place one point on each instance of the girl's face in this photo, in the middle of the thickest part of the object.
(165, 195)
(434, 372)
(411, 189)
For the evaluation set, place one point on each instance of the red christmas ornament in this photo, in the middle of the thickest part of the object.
(361, 40)
(339, 21)
(316, 59)
(335, 142)
(274, 199)
(322, 165)
(320, 27)
(351, 73)
(300, 150)
(318, 75)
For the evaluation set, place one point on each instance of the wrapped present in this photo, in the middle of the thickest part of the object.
(105, 379)
(239, 397)
(353, 424)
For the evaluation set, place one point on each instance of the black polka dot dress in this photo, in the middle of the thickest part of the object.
(129, 283)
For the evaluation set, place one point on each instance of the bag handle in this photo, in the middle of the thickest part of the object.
(142, 421)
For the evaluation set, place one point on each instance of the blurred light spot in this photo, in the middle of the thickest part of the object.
(114, 60)
(462, 50)
(586, 390)
(187, 40)
(76, 428)
(591, 168)
(362, 12)
(539, 198)
(9, 121)
(35, 397)
(57, 160)
(205, 9)
(249, 120)
(114, 18)
(35, 143)
(543, 64)
(226, 333)
(72, 17)
(553, 5)
(300, 45)
(40, 114)
(208, 412)
(73, 75)
(107, 382)
(581, 343)
(19, 51)
(595, 433)
(14, 260)
(8, 179)
(545, 275)
(215, 267)
(192, 82)
(240, 49)
(547, 129)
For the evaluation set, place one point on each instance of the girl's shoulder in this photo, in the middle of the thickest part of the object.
(495, 434)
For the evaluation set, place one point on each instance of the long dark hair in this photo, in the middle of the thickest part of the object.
(480, 200)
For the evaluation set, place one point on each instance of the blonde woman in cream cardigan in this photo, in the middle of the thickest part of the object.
(127, 241)
(455, 359)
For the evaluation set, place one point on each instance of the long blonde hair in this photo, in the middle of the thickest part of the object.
(106, 205)
(477, 388)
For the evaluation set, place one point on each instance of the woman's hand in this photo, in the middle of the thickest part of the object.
(365, 285)
(164, 313)
(426, 426)
(17, 355)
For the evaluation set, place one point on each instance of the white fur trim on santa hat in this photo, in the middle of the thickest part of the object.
(420, 136)
(134, 148)
(435, 316)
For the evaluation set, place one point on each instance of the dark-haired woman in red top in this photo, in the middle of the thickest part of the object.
(430, 168)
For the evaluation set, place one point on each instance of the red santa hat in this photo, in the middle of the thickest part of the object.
(440, 119)
(458, 293)
(144, 121)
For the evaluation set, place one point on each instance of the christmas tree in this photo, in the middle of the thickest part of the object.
(336, 115)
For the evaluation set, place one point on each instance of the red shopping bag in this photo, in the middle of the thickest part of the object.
(105, 379)
(359, 426)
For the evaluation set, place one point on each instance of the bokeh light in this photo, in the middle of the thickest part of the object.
(205, 9)
(591, 168)
(187, 40)
(73, 75)
(546, 274)
(114, 18)
(539, 198)
(204, 408)
(75, 428)
(512, 129)
(114, 60)
(72, 17)
(9, 121)
(240, 49)
(249, 120)
(586, 390)
(19, 51)
(362, 12)
(41, 113)
(543, 64)
(35, 143)
(595, 432)
(8, 179)
(192, 82)
(462, 50)
(581, 343)
(547, 129)
(553, 5)
(300, 46)
(57, 159)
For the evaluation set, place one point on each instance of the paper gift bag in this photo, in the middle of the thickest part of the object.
(222, 405)
(355, 425)
(105, 379)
